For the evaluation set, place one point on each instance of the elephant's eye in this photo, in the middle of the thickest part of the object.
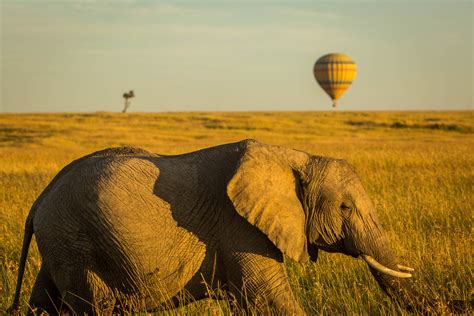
(345, 208)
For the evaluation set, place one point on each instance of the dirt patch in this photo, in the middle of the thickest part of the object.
(402, 125)
(18, 136)
(211, 123)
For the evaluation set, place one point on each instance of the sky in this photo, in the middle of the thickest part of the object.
(81, 56)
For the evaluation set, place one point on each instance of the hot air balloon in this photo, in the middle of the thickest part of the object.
(334, 73)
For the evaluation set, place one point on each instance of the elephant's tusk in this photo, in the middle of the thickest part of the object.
(405, 268)
(381, 268)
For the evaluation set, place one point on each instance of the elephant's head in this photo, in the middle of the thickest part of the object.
(305, 203)
(340, 217)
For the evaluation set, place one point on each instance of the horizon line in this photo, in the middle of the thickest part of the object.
(243, 111)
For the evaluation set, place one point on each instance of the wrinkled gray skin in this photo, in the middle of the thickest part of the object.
(123, 225)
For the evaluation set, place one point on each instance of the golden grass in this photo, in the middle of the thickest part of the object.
(417, 167)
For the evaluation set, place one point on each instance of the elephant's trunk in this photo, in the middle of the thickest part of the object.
(370, 243)
(393, 279)
(394, 282)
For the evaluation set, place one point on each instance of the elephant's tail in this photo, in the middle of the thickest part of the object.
(21, 270)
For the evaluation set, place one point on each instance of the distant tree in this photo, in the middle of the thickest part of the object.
(127, 96)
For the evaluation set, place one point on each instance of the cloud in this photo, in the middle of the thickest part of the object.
(306, 13)
(133, 7)
(161, 8)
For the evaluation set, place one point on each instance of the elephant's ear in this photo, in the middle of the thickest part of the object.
(264, 190)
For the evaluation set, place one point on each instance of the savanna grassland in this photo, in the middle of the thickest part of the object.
(418, 167)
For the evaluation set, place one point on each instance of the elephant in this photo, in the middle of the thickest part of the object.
(125, 228)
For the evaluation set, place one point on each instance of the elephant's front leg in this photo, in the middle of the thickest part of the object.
(261, 281)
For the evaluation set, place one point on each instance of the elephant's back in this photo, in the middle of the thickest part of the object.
(107, 215)
(74, 196)
(138, 200)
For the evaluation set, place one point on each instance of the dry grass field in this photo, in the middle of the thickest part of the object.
(418, 167)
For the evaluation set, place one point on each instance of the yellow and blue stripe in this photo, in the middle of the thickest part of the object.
(335, 73)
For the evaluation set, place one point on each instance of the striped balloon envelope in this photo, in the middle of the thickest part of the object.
(335, 73)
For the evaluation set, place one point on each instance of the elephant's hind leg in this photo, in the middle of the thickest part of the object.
(45, 295)
(88, 294)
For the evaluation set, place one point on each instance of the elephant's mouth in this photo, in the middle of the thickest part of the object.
(332, 249)
(341, 246)
(374, 264)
